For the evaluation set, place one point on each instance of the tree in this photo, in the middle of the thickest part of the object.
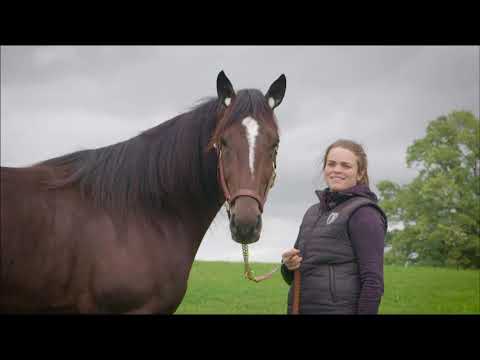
(440, 208)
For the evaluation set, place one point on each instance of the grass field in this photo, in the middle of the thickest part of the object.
(220, 288)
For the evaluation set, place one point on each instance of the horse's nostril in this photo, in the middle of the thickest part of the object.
(259, 221)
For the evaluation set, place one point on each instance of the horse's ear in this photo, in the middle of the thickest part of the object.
(276, 92)
(224, 89)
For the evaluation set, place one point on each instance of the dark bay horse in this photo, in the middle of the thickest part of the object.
(116, 229)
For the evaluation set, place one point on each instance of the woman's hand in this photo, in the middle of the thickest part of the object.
(292, 259)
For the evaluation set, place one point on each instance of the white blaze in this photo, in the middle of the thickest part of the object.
(251, 126)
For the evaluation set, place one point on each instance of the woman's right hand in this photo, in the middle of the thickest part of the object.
(292, 259)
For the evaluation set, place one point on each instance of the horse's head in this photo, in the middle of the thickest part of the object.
(246, 140)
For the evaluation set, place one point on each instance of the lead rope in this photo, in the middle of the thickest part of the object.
(296, 292)
(248, 272)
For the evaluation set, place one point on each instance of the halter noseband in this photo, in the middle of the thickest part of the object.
(230, 199)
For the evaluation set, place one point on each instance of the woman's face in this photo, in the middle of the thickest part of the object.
(341, 169)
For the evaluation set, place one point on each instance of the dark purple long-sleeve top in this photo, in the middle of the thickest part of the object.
(368, 241)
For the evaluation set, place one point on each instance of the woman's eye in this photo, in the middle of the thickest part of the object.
(223, 142)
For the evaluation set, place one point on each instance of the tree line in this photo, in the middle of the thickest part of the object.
(439, 210)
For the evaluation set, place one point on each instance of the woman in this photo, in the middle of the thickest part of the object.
(339, 249)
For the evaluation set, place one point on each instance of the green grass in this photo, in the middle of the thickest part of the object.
(220, 288)
(429, 290)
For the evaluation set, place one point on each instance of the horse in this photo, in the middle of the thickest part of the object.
(116, 229)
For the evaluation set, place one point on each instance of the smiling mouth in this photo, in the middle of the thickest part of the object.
(337, 178)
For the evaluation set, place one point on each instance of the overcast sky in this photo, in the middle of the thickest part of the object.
(56, 100)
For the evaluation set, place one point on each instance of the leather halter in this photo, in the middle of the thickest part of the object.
(230, 199)
(245, 192)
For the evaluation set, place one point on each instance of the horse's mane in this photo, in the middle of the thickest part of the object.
(152, 170)
(160, 166)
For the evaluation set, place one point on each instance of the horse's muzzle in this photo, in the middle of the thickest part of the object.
(245, 232)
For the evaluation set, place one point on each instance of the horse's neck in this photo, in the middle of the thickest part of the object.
(199, 222)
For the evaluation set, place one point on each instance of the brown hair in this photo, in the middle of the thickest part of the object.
(355, 148)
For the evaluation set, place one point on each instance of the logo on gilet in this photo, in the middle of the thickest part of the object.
(332, 217)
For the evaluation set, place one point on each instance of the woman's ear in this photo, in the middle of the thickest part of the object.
(360, 176)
